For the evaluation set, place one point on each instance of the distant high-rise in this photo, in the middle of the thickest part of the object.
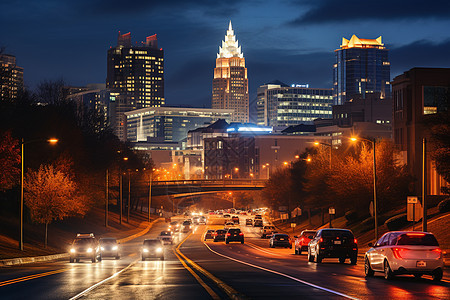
(135, 77)
(230, 83)
(11, 78)
(362, 67)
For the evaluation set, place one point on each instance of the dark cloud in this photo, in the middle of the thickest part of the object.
(422, 53)
(332, 11)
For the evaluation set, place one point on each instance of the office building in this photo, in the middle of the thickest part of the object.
(362, 67)
(281, 105)
(169, 124)
(419, 94)
(230, 83)
(11, 78)
(135, 77)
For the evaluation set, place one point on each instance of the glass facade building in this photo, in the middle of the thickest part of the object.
(281, 105)
(169, 124)
(362, 67)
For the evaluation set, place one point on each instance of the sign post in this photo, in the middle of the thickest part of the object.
(331, 211)
(413, 210)
(293, 226)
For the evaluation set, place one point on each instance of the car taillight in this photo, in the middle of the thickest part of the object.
(437, 251)
(415, 234)
(321, 240)
(355, 241)
(240, 233)
(398, 252)
(228, 234)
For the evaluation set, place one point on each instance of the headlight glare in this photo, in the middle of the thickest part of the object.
(89, 250)
(115, 247)
(72, 250)
(158, 249)
(102, 248)
(145, 250)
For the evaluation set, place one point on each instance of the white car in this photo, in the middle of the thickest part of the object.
(405, 252)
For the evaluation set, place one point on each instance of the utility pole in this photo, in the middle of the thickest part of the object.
(149, 196)
(120, 196)
(106, 200)
(129, 196)
(424, 184)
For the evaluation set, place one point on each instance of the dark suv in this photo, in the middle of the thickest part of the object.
(234, 235)
(85, 245)
(333, 243)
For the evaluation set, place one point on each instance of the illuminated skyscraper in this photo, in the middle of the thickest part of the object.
(362, 67)
(135, 77)
(230, 83)
(11, 78)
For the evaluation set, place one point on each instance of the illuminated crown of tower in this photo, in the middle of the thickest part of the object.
(230, 46)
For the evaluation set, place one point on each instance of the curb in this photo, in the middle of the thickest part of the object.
(29, 260)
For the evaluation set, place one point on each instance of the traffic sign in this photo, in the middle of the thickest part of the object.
(293, 225)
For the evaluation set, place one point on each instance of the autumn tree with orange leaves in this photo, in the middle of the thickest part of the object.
(51, 195)
(9, 161)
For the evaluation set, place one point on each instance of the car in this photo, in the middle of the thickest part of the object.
(234, 235)
(229, 224)
(267, 230)
(249, 222)
(209, 234)
(174, 226)
(257, 223)
(405, 252)
(109, 247)
(219, 235)
(85, 245)
(302, 241)
(186, 226)
(258, 217)
(195, 220)
(235, 219)
(166, 237)
(227, 216)
(333, 243)
(152, 248)
(202, 220)
(280, 240)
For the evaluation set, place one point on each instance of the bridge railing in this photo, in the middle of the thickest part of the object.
(213, 182)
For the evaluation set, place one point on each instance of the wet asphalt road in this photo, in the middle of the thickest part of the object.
(252, 270)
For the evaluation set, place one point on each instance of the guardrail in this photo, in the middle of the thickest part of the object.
(213, 182)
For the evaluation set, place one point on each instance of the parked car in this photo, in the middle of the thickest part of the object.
(235, 219)
(165, 237)
(302, 241)
(234, 235)
(280, 240)
(405, 252)
(333, 243)
(109, 247)
(249, 222)
(209, 234)
(219, 235)
(267, 230)
(152, 248)
(258, 223)
(85, 245)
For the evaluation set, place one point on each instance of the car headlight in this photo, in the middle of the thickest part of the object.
(89, 250)
(101, 248)
(72, 250)
(115, 247)
(145, 250)
(158, 249)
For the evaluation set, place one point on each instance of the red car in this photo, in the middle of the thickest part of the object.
(302, 241)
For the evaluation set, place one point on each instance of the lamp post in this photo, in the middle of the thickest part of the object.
(106, 200)
(375, 213)
(150, 195)
(52, 141)
(129, 196)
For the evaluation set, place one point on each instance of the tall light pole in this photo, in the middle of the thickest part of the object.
(129, 196)
(375, 213)
(149, 195)
(424, 184)
(52, 141)
(106, 200)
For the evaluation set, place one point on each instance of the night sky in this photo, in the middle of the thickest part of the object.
(289, 40)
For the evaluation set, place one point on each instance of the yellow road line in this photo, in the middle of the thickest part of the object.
(25, 278)
(202, 283)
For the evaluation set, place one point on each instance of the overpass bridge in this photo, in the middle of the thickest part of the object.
(183, 188)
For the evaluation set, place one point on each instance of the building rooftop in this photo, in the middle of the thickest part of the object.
(356, 42)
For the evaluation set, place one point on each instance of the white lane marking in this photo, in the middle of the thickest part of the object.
(101, 282)
(284, 275)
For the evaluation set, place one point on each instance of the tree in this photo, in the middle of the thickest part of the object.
(51, 195)
(9, 161)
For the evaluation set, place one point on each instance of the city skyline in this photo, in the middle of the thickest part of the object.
(292, 41)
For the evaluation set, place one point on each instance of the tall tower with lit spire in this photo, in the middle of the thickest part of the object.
(230, 83)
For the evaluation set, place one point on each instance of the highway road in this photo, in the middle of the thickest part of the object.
(195, 269)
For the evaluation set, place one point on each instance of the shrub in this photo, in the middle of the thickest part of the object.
(351, 216)
(397, 222)
(444, 205)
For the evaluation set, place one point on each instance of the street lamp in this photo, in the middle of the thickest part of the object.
(51, 141)
(375, 213)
